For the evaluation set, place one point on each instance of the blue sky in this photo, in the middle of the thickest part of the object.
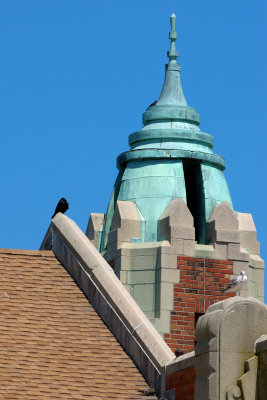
(76, 76)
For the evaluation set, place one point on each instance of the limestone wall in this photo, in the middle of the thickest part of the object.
(149, 270)
(226, 364)
(230, 361)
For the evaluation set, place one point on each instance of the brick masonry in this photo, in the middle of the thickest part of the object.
(183, 383)
(201, 282)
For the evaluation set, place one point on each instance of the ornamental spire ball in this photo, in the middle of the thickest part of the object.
(62, 206)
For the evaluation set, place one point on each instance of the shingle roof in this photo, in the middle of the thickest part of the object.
(53, 345)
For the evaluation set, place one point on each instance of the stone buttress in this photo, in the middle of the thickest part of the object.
(170, 210)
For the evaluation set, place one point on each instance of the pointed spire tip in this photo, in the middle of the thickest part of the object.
(173, 53)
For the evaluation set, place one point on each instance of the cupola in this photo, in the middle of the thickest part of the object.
(169, 158)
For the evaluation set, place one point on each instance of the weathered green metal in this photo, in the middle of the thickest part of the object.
(154, 153)
(151, 185)
(156, 135)
(103, 235)
(151, 172)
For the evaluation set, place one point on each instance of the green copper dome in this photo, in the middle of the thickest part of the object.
(168, 158)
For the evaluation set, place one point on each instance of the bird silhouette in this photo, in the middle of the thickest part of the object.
(153, 104)
(62, 206)
(178, 352)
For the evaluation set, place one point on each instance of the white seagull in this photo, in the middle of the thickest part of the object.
(236, 284)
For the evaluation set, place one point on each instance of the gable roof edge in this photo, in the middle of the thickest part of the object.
(110, 299)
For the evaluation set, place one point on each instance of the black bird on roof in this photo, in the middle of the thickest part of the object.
(153, 104)
(178, 352)
(62, 206)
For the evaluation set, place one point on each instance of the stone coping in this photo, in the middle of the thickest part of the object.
(227, 304)
(111, 291)
(183, 362)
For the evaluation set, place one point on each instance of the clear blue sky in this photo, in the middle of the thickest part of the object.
(75, 77)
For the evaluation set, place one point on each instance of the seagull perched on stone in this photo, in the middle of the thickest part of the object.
(62, 206)
(236, 284)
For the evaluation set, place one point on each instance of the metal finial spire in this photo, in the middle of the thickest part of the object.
(172, 92)
(173, 53)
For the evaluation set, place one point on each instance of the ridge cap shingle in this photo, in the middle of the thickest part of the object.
(38, 253)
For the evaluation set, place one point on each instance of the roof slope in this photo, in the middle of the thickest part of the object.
(52, 342)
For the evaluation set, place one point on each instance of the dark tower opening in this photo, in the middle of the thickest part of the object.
(194, 195)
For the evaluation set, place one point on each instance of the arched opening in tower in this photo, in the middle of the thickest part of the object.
(195, 197)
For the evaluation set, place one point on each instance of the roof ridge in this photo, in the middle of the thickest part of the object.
(42, 253)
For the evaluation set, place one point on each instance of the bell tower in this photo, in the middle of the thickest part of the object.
(170, 231)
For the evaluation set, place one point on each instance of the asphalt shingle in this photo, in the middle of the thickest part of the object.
(53, 345)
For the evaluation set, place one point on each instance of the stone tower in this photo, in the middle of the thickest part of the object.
(170, 232)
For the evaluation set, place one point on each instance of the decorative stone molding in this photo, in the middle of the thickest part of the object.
(177, 226)
(248, 381)
(248, 233)
(224, 234)
(246, 388)
(94, 227)
(225, 341)
(261, 351)
(233, 393)
(125, 226)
